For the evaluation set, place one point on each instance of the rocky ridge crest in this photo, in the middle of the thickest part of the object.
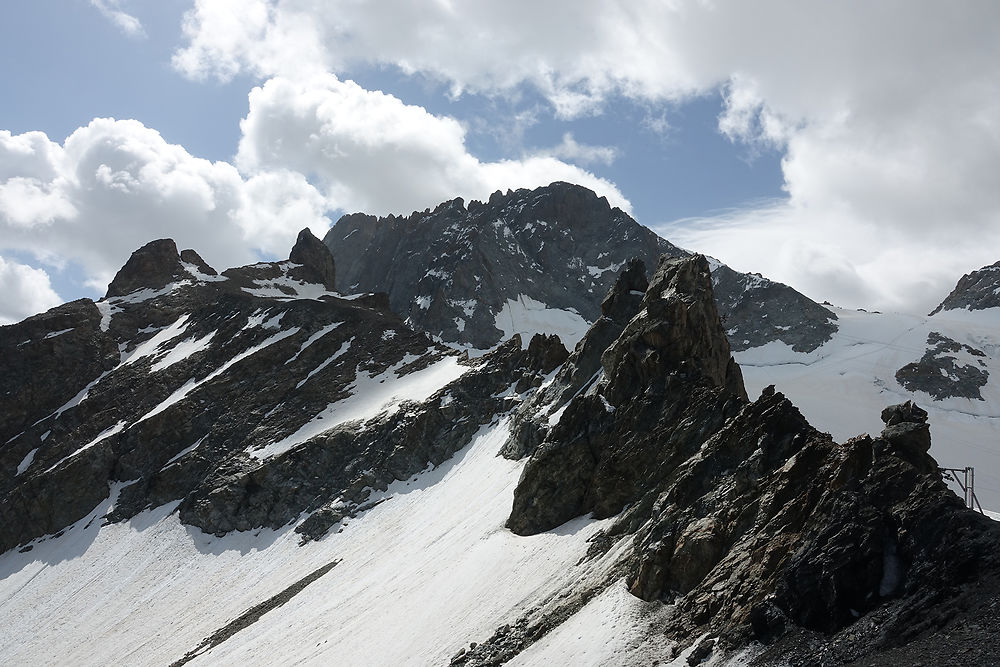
(459, 272)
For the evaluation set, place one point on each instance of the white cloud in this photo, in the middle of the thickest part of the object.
(888, 113)
(368, 151)
(830, 255)
(570, 149)
(114, 185)
(24, 291)
(111, 10)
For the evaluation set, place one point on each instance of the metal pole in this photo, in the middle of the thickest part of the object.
(972, 487)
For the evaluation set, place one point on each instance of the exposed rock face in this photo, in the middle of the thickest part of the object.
(464, 273)
(941, 374)
(47, 360)
(210, 389)
(316, 260)
(751, 523)
(975, 291)
(757, 311)
(153, 266)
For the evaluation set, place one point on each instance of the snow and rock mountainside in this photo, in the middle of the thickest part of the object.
(979, 290)
(539, 261)
(947, 362)
(250, 467)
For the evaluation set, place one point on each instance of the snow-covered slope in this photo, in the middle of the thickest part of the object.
(842, 386)
(415, 579)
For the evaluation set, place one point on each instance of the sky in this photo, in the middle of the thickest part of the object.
(849, 149)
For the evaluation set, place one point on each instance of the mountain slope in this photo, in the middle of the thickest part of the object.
(979, 290)
(262, 466)
(538, 261)
(948, 363)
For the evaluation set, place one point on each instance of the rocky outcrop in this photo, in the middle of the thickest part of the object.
(316, 261)
(751, 524)
(756, 311)
(454, 270)
(152, 266)
(177, 393)
(940, 373)
(671, 352)
(977, 290)
(47, 360)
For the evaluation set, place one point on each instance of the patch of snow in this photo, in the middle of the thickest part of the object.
(603, 632)
(184, 452)
(201, 277)
(58, 333)
(26, 461)
(104, 435)
(423, 302)
(193, 384)
(554, 418)
(313, 338)
(270, 289)
(526, 316)
(107, 310)
(152, 346)
(344, 347)
(370, 397)
(183, 350)
(598, 272)
(80, 397)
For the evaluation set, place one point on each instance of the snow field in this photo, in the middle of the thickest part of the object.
(371, 395)
(843, 386)
(418, 578)
(527, 317)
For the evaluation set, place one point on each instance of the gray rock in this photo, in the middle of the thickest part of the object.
(152, 266)
(450, 271)
(316, 260)
(977, 290)
(939, 373)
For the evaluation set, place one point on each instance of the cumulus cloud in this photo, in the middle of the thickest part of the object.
(24, 291)
(888, 113)
(368, 151)
(114, 185)
(111, 10)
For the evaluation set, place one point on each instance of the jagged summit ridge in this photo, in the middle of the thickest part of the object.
(539, 261)
(258, 427)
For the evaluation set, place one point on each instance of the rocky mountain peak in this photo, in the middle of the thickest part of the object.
(531, 261)
(677, 331)
(977, 290)
(153, 266)
(622, 302)
(316, 260)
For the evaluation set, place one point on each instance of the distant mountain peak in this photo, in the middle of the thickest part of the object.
(977, 290)
(539, 261)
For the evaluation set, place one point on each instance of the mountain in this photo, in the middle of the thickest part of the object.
(535, 261)
(978, 290)
(211, 468)
(947, 362)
